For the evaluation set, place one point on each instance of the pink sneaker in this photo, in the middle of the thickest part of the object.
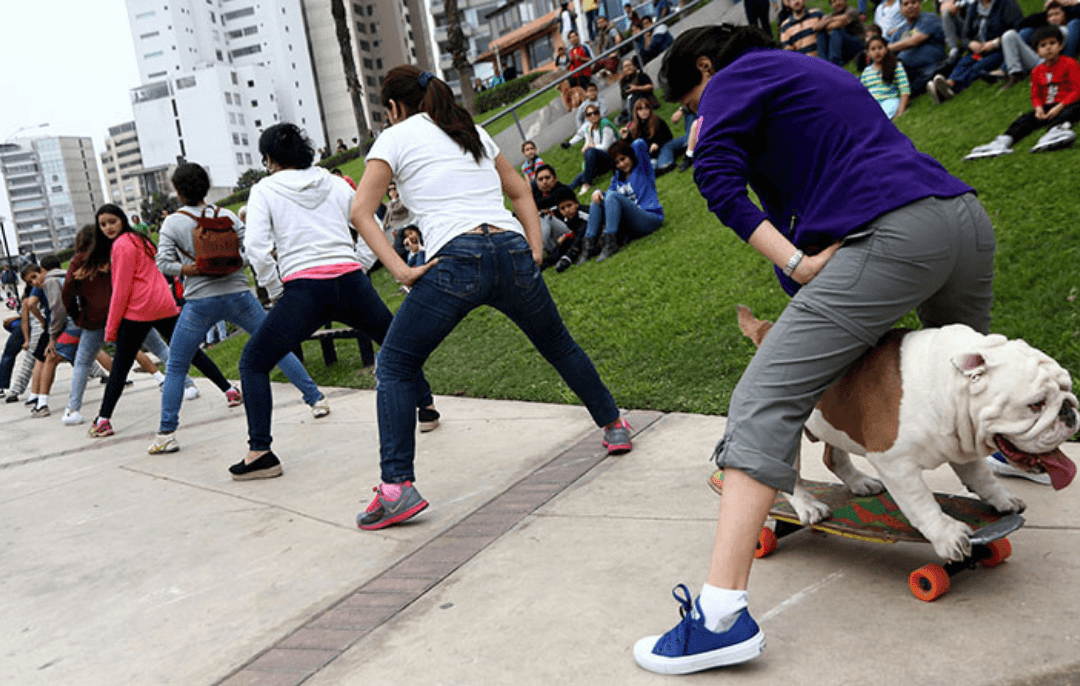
(617, 438)
(101, 428)
(233, 397)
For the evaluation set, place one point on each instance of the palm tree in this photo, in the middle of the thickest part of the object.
(352, 81)
(456, 41)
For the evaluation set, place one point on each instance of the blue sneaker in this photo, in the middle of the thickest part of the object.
(690, 647)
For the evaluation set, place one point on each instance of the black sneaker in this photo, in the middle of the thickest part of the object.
(563, 264)
(686, 163)
(266, 467)
(428, 419)
(11, 398)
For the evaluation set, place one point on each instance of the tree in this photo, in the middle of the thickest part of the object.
(352, 81)
(156, 205)
(456, 41)
(249, 179)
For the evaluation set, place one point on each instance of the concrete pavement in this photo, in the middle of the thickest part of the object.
(540, 561)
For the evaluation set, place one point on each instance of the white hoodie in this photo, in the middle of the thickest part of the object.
(304, 215)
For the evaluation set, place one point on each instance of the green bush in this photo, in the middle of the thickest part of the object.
(506, 93)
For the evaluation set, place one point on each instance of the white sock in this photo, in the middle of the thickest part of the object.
(720, 606)
(159, 377)
(32, 396)
(43, 401)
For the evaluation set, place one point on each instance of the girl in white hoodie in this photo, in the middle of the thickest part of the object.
(302, 212)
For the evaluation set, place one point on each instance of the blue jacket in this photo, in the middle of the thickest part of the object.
(640, 184)
(812, 143)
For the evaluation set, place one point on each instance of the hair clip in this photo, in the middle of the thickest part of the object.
(425, 78)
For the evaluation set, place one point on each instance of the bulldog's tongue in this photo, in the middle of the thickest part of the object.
(1061, 469)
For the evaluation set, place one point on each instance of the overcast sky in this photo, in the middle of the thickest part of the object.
(67, 63)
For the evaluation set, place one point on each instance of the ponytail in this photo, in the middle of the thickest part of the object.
(421, 91)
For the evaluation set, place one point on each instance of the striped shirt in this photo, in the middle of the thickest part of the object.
(798, 34)
(871, 78)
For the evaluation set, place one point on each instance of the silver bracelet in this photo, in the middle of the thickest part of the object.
(793, 263)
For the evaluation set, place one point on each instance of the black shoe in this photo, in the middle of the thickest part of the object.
(11, 398)
(563, 264)
(428, 419)
(610, 247)
(587, 248)
(266, 467)
(1011, 80)
(686, 163)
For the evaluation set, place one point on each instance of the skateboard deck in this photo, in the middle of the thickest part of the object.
(878, 518)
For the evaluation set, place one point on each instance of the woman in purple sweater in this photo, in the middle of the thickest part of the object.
(817, 150)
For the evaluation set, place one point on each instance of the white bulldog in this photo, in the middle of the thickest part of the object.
(923, 398)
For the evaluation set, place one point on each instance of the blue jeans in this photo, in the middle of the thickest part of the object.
(494, 269)
(596, 163)
(11, 350)
(199, 316)
(305, 306)
(969, 69)
(838, 46)
(677, 146)
(620, 212)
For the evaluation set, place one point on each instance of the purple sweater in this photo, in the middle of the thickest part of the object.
(813, 144)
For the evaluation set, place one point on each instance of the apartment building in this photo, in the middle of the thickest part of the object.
(54, 188)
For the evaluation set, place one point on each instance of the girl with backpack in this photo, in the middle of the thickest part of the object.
(451, 174)
(208, 299)
(140, 301)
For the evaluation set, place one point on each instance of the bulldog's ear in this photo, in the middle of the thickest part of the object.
(972, 365)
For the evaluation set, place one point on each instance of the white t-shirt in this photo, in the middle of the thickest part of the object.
(443, 185)
(888, 17)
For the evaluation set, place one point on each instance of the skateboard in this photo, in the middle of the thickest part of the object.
(878, 518)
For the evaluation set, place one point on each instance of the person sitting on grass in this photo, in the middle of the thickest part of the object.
(655, 41)
(797, 31)
(630, 206)
(919, 44)
(656, 134)
(598, 134)
(1055, 95)
(568, 246)
(839, 35)
(984, 25)
(414, 243)
(592, 98)
(545, 194)
(1020, 58)
(529, 166)
(633, 84)
(885, 78)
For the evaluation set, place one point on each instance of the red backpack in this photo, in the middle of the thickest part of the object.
(217, 244)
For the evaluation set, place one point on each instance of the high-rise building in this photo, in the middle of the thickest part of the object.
(122, 162)
(54, 188)
(383, 35)
(215, 73)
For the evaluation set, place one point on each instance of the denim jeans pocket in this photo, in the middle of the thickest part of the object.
(526, 272)
(458, 274)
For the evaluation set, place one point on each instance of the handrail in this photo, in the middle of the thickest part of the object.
(512, 109)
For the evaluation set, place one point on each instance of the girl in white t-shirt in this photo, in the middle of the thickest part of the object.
(451, 174)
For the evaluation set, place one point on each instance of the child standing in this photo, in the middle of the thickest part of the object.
(885, 78)
(1055, 94)
(531, 164)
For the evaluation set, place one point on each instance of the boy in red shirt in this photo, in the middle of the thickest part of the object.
(1055, 94)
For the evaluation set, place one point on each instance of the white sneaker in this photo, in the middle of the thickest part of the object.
(71, 417)
(191, 392)
(995, 148)
(1002, 468)
(321, 408)
(1058, 137)
(163, 443)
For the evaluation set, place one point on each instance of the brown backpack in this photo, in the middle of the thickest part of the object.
(217, 244)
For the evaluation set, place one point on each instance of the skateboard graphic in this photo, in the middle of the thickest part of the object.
(877, 518)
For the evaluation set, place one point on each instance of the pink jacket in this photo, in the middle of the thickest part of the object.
(139, 291)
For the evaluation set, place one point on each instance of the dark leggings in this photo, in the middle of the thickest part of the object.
(1026, 124)
(129, 339)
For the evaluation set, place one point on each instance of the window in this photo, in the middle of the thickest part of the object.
(241, 52)
(250, 30)
(150, 35)
(236, 14)
(232, 117)
(375, 116)
(236, 138)
(151, 55)
(156, 75)
(240, 119)
(251, 83)
(374, 29)
(360, 28)
(258, 123)
(228, 98)
(186, 82)
(378, 63)
(220, 57)
(364, 45)
(254, 103)
(145, 15)
(235, 34)
(247, 158)
(234, 79)
(213, 18)
(243, 139)
(370, 81)
(368, 64)
(239, 158)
